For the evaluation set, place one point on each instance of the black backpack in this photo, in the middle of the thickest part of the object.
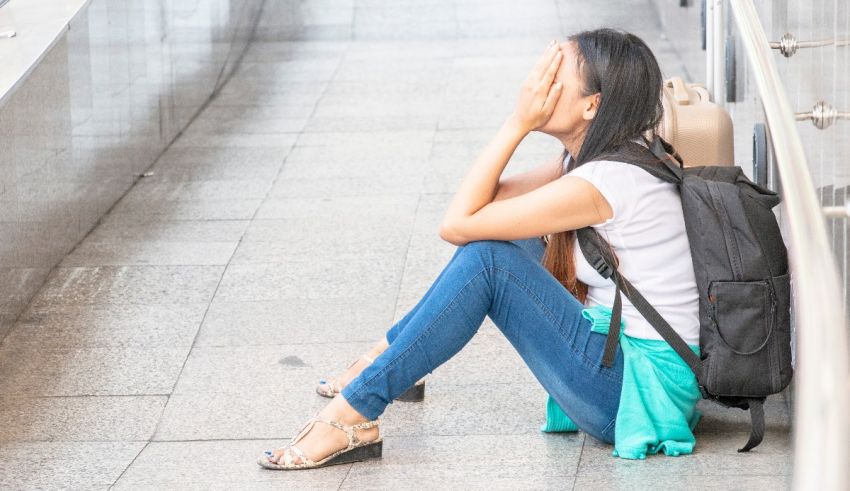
(741, 270)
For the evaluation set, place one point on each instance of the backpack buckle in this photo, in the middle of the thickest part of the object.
(602, 267)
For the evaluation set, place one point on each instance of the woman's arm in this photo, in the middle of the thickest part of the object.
(527, 181)
(567, 203)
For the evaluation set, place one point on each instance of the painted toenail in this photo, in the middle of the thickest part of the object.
(322, 382)
(268, 452)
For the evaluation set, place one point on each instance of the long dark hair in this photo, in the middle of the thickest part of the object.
(622, 69)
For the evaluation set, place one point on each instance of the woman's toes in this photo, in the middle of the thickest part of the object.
(277, 456)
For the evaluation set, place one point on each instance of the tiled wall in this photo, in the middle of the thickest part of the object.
(809, 76)
(114, 91)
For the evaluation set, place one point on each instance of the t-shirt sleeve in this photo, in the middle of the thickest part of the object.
(612, 181)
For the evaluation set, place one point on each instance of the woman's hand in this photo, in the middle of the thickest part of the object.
(538, 95)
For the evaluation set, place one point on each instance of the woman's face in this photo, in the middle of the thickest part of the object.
(573, 111)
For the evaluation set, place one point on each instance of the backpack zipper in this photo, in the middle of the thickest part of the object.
(728, 236)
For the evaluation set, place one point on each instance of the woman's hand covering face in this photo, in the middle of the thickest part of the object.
(538, 95)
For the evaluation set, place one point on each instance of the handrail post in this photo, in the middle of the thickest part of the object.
(715, 33)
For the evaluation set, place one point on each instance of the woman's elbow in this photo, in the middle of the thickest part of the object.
(449, 234)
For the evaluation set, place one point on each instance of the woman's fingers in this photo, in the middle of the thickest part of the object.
(552, 99)
(544, 61)
(549, 75)
(538, 94)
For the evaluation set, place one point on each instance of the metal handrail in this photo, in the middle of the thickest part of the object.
(822, 391)
(8, 33)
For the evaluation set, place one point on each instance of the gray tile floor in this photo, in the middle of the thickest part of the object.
(280, 236)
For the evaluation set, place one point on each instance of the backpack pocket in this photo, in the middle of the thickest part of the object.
(742, 314)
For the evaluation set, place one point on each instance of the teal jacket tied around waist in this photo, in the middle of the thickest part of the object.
(657, 410)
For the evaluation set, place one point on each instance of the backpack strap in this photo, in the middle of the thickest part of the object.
(757, 424)
(662, 151)
(599, 255)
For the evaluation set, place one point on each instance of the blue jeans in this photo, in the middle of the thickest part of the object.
(542, 320)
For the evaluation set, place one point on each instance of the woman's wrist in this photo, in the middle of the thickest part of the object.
(515, 125)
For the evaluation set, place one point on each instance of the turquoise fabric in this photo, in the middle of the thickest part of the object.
(556, 420)
(657, 409)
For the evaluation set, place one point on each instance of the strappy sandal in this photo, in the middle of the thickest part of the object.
(356, 451)
(332, 387)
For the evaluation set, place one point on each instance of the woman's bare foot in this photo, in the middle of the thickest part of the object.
(322, 439)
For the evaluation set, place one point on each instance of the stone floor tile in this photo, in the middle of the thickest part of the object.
(293, 187)
(64, 465)
(324, 167)
(280, 141)
(265, 369)
(219, 171)
(534, 460)
(170, 231)
(394, 70)
(224, 209)
(373, 143)
(374, 239)
(284, 124)
(316, 248)
(282, 71)
(377, 105)
(34, 370)
(390, 206)
(714, 455)
(157, 253)
(175, 465)
(157, 188)
(380, 122)
(296, 320)
(129, 284)
(381, 19)
(114, 325)
(246, 415)
(320, 279)
(95, 418)
(217, 112)
(713, 483)
(511, 409)
(245, 157)
(271, 52)
(717, 418)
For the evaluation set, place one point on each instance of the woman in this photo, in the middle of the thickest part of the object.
(597, 93)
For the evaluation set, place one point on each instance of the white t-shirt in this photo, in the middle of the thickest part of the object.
(647, 232)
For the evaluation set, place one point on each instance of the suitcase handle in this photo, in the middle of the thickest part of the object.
(680, 91)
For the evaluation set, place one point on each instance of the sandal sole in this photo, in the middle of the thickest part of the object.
(413, 394)
(370, 451)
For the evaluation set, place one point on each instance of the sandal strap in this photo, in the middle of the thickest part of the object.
(304, 430)
(366, 425)
(349, 429)
(287, 457)
(300, 454)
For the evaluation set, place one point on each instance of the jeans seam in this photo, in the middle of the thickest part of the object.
(425, 332)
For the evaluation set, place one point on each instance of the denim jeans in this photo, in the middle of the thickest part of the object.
(542, 320)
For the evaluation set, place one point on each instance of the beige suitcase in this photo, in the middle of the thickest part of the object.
(699, 130)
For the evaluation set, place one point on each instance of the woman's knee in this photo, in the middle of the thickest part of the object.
(502, 252)
(491, 251)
